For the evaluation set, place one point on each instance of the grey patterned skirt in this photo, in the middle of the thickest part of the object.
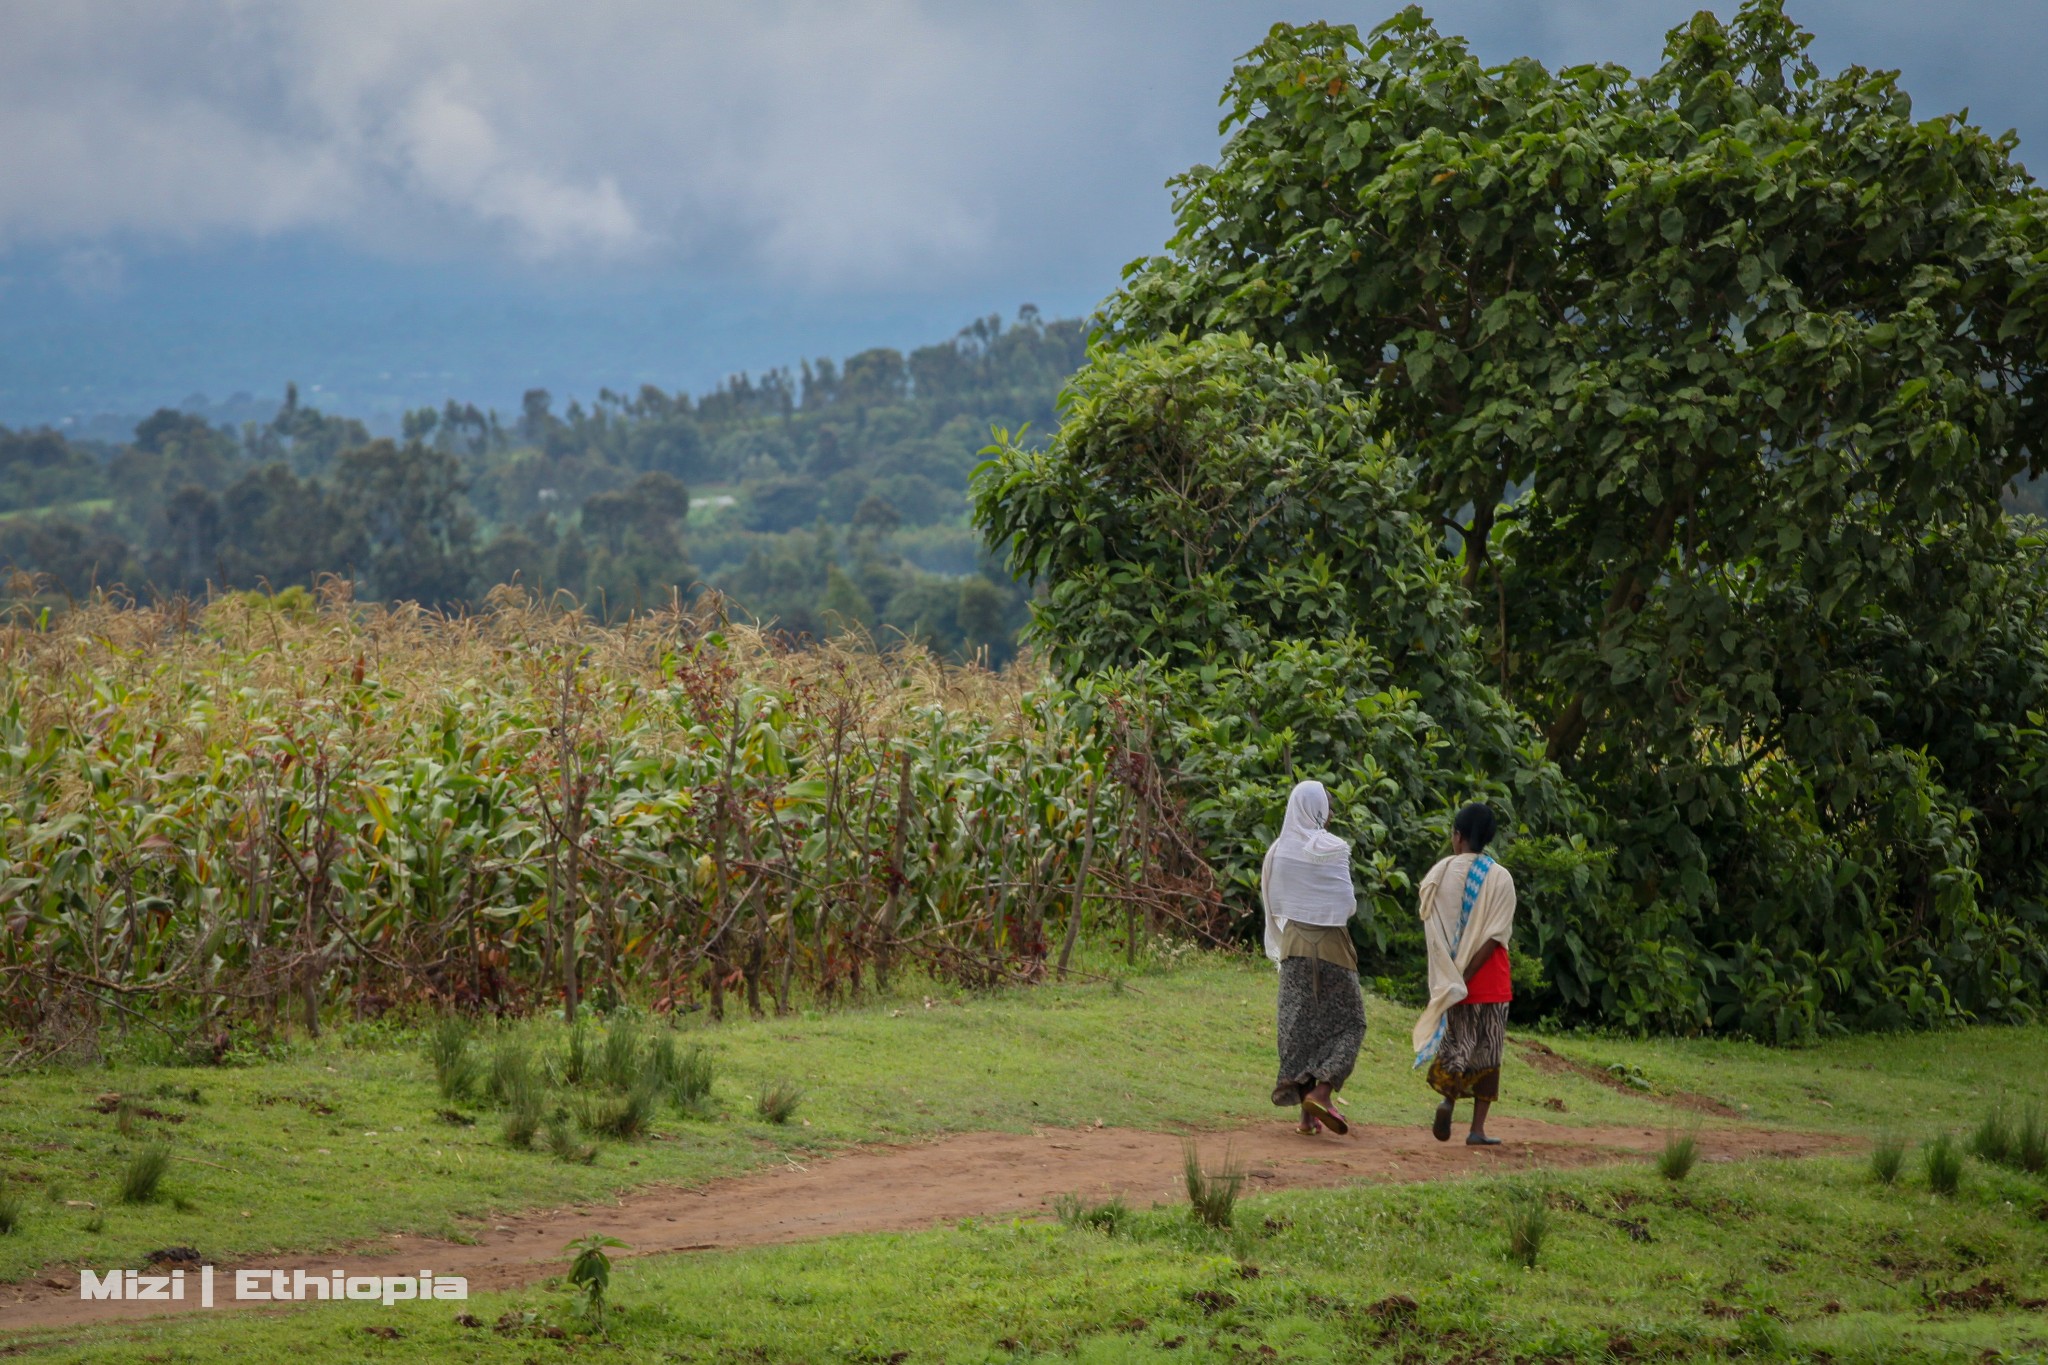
(1322, 1022)
(1467, 1061)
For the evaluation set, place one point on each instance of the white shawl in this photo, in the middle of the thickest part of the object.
(1306, 875)
(1467, 906)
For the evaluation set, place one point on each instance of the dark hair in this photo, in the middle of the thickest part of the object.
(1477, 824)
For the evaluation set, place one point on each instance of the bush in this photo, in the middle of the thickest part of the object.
(1944, 1163)
(141, 1182)
(778, 1100)
(1212, 1196)
(1887, 1159)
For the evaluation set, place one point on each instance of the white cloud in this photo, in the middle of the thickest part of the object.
(855, 142)
(811, 139)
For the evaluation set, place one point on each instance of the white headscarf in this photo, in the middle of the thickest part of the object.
(1307, 871)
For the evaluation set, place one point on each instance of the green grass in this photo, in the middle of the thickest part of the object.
(1766, 1258)
(290, 1154)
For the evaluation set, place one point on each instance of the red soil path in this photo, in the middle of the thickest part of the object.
(903, 1188)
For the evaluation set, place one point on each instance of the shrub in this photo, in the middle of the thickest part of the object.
(1681, 1152)
(141, 1182)
(591, 1271)
(1888, 1158)
(778, 1100)
(1212, 1196)
(1944, 1161)
(1527, 1215)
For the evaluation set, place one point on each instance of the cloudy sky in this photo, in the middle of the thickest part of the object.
(403, 199)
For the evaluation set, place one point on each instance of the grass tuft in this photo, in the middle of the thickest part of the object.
(621, 1057)
(1108, 1218)
(142, 1181)
(455, 1067)
(512, 1080)
(1212, 1196)
(2030, 1141)
(658, 1070)
(1888, 1158)
(778, 1100)
(10, 1213)
(1681, 1153)
(625, 1117)
(1993, 1139)
(577, 1061)
(1944, 1162)
(1527, 1216)
(689, 1083)
(562, 1141)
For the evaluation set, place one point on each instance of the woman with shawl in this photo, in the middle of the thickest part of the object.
(1468, 916)
(1305, 883)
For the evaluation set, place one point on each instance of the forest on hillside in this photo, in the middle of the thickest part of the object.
(820, 500)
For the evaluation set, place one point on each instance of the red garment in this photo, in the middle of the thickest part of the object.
(1491, 984)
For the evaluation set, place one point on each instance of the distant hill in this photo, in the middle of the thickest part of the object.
(820, 499)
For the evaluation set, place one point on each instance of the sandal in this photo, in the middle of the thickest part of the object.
(1328, 1114)
(1441, 1128)
(1309, 1128)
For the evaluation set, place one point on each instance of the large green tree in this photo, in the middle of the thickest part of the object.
(1715, 378)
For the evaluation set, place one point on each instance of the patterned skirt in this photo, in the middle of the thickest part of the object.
(1322, 1023)
(1467, 1064)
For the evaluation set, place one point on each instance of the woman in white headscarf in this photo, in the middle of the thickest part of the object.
(1468, 920)
(1305, 882)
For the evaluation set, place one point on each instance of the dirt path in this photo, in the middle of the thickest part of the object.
(900, 1189)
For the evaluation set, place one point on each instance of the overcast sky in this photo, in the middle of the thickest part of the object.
(203, 195)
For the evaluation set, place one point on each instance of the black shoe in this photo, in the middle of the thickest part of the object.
(1441, 1129)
